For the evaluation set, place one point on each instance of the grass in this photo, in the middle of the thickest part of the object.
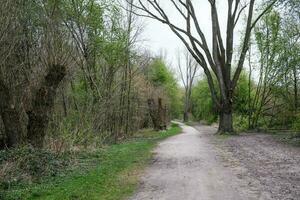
(106, 174)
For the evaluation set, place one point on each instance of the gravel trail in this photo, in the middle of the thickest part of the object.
(192, 166)
(267, 164)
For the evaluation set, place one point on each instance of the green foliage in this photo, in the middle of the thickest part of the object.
(161, 76)
(202, 105)
(241, 95)
(159, 73)
(275, 94)
(296, 123)
(105, 174)
(240, 122)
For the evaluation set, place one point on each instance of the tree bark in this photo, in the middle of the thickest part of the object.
(186, 109)
(12, 117)
(42, 108)
(185, 116)
(225, 120)
(295, 88)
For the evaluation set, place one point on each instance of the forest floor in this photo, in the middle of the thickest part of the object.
(200, 165)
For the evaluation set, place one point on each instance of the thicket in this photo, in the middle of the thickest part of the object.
(72, 75)
(267, 94)
(204, 109)
(74, 79)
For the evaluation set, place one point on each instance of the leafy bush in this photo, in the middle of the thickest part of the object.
(202, 105)
(161, 76)
(240, 123)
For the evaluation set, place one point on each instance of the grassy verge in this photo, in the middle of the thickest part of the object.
(106, 174)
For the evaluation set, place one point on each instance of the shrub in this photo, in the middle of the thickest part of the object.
(240, 123)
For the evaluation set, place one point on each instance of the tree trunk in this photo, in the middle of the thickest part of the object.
(185, 116)
(225, 124)
(2, 134)
(39, 115)
(225, 119)
(186, 108)
(295, 88)
(13, 118)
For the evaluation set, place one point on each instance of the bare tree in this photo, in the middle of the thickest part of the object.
(218, 61)
(187, 74)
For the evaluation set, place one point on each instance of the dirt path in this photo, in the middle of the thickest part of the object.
(190, 167)
(197, 165)
(268, 165)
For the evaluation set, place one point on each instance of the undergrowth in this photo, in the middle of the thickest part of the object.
(106, 173)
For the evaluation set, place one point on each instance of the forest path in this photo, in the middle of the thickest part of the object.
(189, 166)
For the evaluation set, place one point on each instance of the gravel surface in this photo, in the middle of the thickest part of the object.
(198, 165)
(270, 166)
(190, 166)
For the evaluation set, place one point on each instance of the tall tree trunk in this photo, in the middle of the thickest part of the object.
(186, 108)
(249, 89)
(225, 124)
(128, 105)
(185, 116)
(2, 134)
(43, 103)
(13, 118)
(225, 119)
(295, 88)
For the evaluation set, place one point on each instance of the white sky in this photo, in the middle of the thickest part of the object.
(159, 38)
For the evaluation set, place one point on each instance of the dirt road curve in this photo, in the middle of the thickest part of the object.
(196, 166)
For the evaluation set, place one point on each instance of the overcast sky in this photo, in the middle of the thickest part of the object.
(158, 37)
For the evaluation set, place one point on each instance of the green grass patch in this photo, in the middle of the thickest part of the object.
(110, 173)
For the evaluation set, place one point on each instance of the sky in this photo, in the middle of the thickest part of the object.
(159, 38)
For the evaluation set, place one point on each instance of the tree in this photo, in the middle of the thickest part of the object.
(10, 76)
(269, 44)
(219, 59)
(163, 78)
(273, 99)
(187, 75)
(31, 69)
(204, 109)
